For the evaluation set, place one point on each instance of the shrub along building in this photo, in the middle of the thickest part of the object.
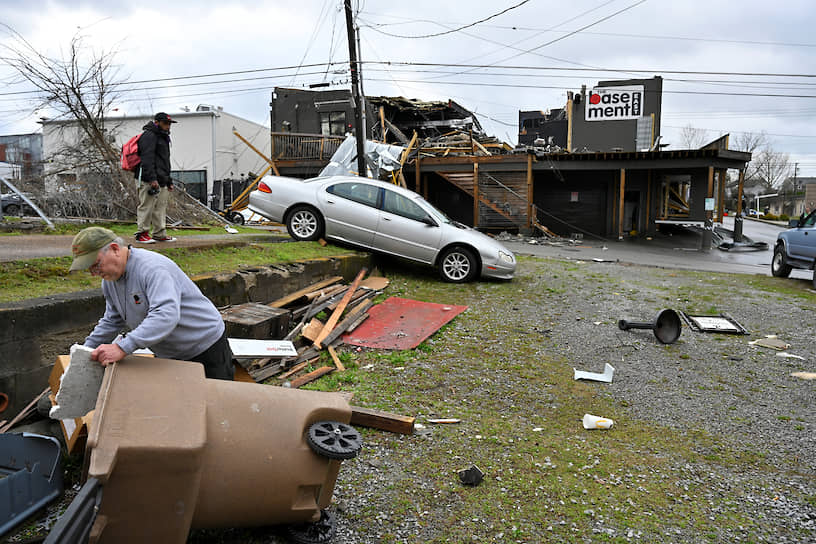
(594, 167)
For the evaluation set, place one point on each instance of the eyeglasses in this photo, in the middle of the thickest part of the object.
(94, 268)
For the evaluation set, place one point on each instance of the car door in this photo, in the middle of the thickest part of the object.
(350, 211)
(802, 240)
(404, 230)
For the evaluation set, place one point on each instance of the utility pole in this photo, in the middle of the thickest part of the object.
(355, 92)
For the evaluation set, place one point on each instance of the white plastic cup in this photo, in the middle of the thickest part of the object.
(596, 422)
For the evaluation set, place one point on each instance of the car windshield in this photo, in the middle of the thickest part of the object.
(436, 214)
(810, 220)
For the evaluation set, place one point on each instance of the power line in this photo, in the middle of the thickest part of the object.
(455, 29)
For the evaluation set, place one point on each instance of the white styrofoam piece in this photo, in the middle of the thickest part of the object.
(608, 373)
(79, 385)
(246, 348)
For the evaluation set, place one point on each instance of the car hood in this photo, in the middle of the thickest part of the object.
(456, 231)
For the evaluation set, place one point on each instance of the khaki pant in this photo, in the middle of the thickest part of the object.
(151, 215)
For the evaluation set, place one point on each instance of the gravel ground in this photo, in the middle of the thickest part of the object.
(715, 383)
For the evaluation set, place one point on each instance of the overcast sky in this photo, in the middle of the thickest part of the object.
(551, 46)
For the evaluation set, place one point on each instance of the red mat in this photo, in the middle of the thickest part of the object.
(401, 323)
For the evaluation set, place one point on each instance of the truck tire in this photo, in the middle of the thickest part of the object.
(778, 267)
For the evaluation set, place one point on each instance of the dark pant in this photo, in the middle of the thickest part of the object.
(217, 360)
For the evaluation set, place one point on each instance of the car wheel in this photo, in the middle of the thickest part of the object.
(458, 265)
(778, 266)
(236, 218)
(304, 224)
(12, 209)
(334, 440)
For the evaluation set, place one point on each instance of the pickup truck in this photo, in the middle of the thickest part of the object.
(796, 247)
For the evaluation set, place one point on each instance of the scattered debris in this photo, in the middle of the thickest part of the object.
(789, 355)
(804, 375)
(666, 326)
(770, 342)
(32, 468)
(376, 419)
(245, 348)
(595, 422)
(606, 376)
(722, 323)
(471, 476)
(445, 420)
(24, 413)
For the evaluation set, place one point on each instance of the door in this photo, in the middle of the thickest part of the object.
(802, 240)
(402, 230)
(350, 211)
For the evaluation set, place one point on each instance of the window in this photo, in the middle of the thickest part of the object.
(333, 123)
(194, 183)
(357, 192)
(400, 205)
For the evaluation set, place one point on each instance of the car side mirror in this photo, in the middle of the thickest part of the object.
(429, 221)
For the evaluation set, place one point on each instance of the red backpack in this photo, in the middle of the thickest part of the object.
(130, 154)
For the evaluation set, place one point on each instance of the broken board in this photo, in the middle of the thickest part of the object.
(401, 323)
(245, 348)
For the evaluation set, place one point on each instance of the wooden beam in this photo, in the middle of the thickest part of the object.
(297, 368)
(620, 202)
(337, 362)
(475, 194)
(740, 186)
(255, 149)
(311, 376)
(710, 192)
(417, 174)
(340, 309)
(290, 298)
(530, 219)
(648, 197)
(377, 419)
(720, 194)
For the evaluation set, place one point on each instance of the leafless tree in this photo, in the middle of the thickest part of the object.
(693, 138)
(80, 87)
(749, 141)
(770, 167)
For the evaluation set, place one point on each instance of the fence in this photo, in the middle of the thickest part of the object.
(294, 146)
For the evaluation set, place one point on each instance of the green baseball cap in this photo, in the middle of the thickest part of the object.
(86, 246)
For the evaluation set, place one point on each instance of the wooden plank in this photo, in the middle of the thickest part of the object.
(336, 359)
(25, 412)
(377, 419)
(340, 309)
(288, 299)
(297, 368)
(351, 319)
(266, 372)
(311, 376)
(312, 330)
(325, 292)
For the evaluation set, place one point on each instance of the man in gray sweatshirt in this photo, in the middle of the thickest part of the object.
(152, 299)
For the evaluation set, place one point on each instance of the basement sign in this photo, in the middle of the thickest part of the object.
(614, 103)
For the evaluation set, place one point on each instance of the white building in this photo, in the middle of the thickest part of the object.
(203, 148)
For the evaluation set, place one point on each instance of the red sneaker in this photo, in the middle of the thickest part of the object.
(164, 239)
(145, 238)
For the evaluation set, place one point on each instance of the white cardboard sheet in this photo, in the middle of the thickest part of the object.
(246, 348)
(608, 373)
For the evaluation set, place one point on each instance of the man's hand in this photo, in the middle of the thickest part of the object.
(107, 354)
(154, 184)
(170, 187)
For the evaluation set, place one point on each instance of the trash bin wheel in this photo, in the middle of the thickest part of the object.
(236, 218)
(318, 532)
(334, 440)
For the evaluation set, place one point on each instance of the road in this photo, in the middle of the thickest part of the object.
(680, 250)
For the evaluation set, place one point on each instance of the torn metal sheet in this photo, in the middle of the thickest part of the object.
(79, 385)
(401, 323)
(245, 348)
(722, 323)
(380, 158)
(605, 376)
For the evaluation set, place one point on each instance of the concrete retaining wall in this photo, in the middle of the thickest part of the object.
(33, 332)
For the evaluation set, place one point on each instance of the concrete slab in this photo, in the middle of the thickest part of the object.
(79, 385)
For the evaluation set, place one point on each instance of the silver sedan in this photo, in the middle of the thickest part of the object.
(381, 217)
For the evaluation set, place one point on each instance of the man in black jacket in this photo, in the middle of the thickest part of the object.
(155, 183)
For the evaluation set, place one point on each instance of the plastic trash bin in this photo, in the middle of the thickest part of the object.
(174, 450)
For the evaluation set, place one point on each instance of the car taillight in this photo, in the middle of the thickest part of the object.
(264, 188)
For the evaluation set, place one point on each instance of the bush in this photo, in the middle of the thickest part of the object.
(770, 217)
(784, 217)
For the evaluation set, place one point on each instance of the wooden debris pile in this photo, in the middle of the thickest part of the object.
(460, 142)
(343, 307)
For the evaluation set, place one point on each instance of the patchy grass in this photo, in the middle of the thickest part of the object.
(126, 229)
(41, 277)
